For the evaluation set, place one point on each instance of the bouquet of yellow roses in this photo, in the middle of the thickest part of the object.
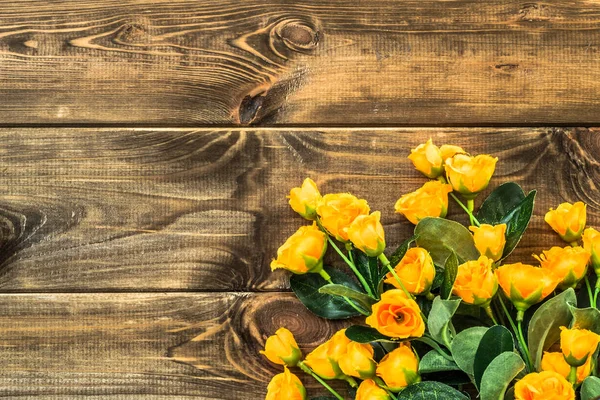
(435, 322)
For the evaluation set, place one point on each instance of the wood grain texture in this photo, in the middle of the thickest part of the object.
(147, 346)
(184, 62)
(176, 209)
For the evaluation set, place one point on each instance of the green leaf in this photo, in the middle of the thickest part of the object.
(586, 318)
(590, 389)
(368, 268)
(340, 290)
(435, 362)
(450, 271)
(366, 334)
(544, 326)
(441, 236)
(499, 374)
(434, 345)
(430, 390)
(494, 342)
(306, 287)
(500, 203)
(517, 221)
(439, 318)
(464, 347)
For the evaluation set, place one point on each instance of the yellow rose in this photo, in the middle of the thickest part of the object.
(470, 175)
(399, 368)
(430, 200)
(449, 151)
(490, 240)
(524, 284)
(397, 316)
(338, 211)
(282, 348)
(366, 233)
(591, 242)
(546, 385)
(358, 361)
(556, 362)
(427, 158)
(285, 386)
(577, 345)
(568, 264)
(368, 390)
(415, 270)
(568, 220)
(303, 251)
(324, 360)
(304, 199)
(476, 282)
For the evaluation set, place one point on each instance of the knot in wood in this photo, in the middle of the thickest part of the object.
(297, 35)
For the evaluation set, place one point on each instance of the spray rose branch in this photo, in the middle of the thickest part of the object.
(310, 372)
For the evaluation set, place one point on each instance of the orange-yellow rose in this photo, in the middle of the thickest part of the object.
(366, 233)
(399, 368)
(304, 199)
(546, 385)
(324, 360)
(577, 345)
(490, 240)
(568, 264)
(427, 159)
(591, 242)
(568, 220)
(416, 271)
(448, 151)
(285, 386)
(470, 175)
(476, 282)
(303, 251)
(368, 390)
(358, 361)
(396, 316)
(430, 200)
(525, 284)
(282, 348)
(337, 211)
(556, 362)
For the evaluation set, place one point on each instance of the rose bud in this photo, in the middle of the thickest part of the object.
(476, 282)
(303, 251)
(577, 345)
(368, 390)
(591, 242)
(358, 361)
(490, 240)
(399, 368)
(430, 200)
(282, 348)
(470, 175)
(427, 159)
(568, 220)
(568, 264)
(285, 386)
(366, 233)
(324, 360)
(304, 199)
(556, 362)
(544, 385)
(525, 285)
(337, 211)
(396, 316)
(416, 271)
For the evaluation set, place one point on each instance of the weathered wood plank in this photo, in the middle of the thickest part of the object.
(463, 62)
(146, 346)
(177, 209)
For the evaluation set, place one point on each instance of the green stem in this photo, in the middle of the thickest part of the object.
(523, 342)
(382, 385)
(596, 291)
(361, 278)
(327, 278)
(573, 376)
(589, 291)
(309, 371)
(510, 320)
(490, 313)
(469, 212)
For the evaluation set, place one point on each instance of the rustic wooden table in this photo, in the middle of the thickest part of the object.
(148, 145)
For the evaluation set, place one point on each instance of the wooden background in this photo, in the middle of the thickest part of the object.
(148, 145)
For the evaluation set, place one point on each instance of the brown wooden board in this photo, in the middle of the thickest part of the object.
(147, 346)
(177, 209)
(378, 62)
